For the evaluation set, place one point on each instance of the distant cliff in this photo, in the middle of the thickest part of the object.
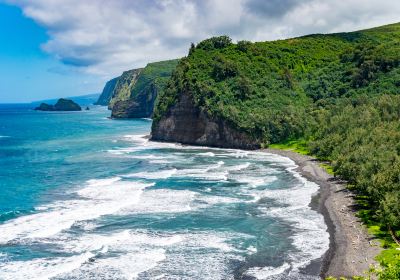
(61, 105)
(136, 90)
(106, 94)
(124, 86)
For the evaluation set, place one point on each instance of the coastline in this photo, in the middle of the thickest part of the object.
(351, 250)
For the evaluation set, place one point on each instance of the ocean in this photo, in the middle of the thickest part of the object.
(86, 197)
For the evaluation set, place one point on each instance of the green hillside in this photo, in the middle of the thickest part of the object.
(266, 88)
(136, 100)
(338, 95)
(157, 73)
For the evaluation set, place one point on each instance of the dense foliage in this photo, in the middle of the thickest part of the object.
(156, 73)
(338, 92)
(267, 88)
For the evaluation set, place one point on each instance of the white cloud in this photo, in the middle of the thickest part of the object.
(106, 37)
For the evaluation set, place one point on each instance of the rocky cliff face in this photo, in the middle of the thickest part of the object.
(187, 124)
(107, 93)
(124, 86)
(141, 106)
(138, 98)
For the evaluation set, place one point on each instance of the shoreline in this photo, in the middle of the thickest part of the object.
(351, 249)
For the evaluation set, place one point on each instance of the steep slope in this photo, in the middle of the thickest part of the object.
(124, 86)
(143, 92)
(268, 90)
(106, 94)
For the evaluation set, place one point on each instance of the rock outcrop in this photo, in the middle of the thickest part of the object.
(107, 93)
(187, 124)
(61, 105)
(136, 92)
(141, 106)
(124, 86)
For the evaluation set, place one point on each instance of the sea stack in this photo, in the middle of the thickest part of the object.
(61, 105)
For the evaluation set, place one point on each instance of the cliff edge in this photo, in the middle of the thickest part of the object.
(188, 124)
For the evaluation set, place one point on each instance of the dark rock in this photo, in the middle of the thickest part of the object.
(61, 105)
(187, 124)
(66, 105)
(87, 109)
(45, 107)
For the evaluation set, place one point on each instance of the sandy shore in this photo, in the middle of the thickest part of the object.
(352, 249)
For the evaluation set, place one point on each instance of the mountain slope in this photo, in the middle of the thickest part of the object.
(267, 89)
(139, 101)
(124, 86)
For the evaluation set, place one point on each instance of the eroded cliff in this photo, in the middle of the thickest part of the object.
(138, 97)
(188, 124)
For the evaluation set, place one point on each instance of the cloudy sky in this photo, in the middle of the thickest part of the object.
(71, 47)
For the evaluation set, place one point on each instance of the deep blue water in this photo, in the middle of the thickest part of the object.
(86, 197)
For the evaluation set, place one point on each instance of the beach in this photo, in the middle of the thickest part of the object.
(352, 250)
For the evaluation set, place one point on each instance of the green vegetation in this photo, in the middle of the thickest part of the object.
(298, 146)
(336, 96)
(135, 82)
(124, 86)
(156, 73)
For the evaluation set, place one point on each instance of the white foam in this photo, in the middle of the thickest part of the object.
(252, 249)
(267, 272)
(162, 174)
(162, 201)
(130, 265)
(207, 154)
(98, 199)
(239, 167)
(103, 182)
(311, 237)
(212, 172)
(41, 269)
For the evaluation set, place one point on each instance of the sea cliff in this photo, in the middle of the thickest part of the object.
(138, 100)
(107, 93)
(188, 124)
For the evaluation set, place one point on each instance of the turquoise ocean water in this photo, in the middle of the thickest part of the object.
(86, 197)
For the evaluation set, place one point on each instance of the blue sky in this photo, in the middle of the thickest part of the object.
(28, 73)
(51, 49)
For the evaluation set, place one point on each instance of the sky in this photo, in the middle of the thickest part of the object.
(59, 48)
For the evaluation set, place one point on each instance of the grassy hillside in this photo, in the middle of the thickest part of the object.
(156, 73)
(338, 95)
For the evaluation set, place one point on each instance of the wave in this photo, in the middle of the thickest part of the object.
(311, 238)
(162, 174)
(42, 268)
(207, 154)
(239, 167)
(138, 251)
(4, 136)
(267, 272)
(100, 197)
